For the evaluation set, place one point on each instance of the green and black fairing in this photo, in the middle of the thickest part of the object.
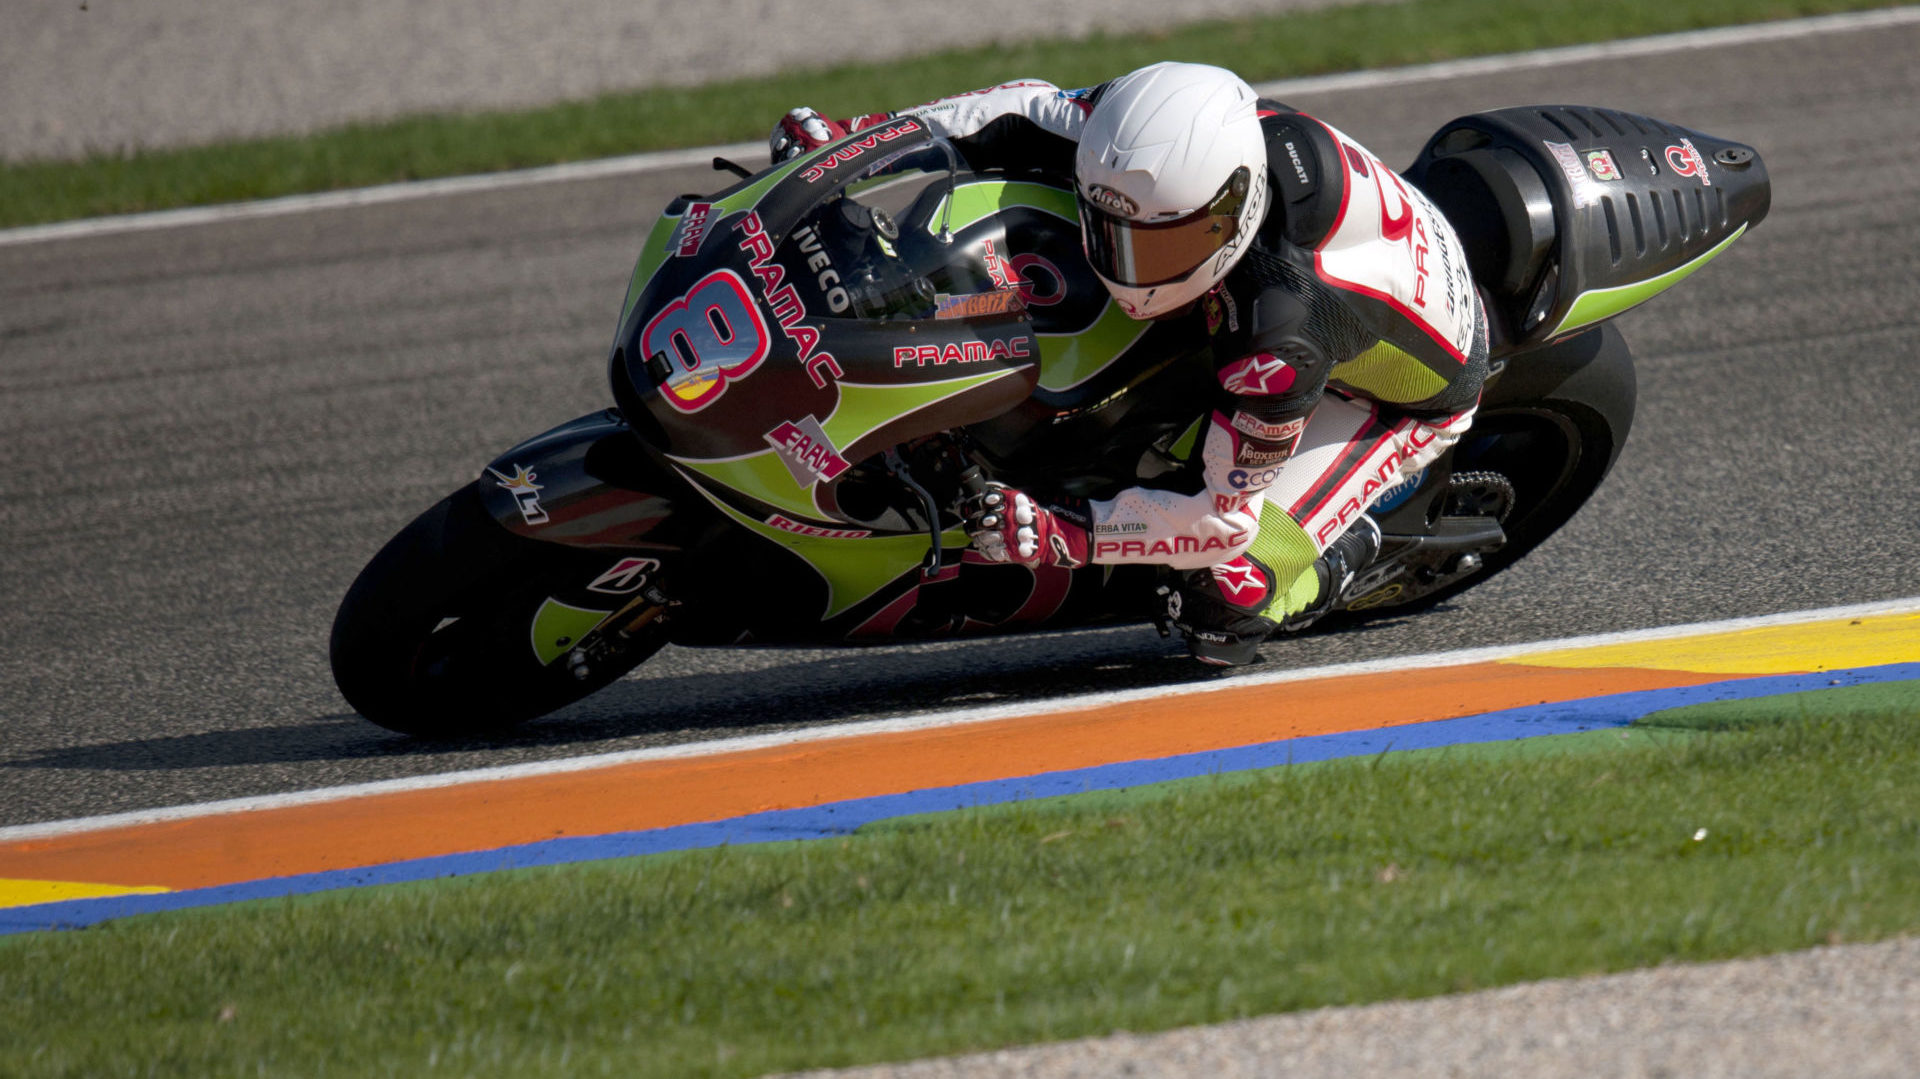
(829, 348)
(1571, 214)
(922, 300)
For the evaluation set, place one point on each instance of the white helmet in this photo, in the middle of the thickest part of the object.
(1171, 174)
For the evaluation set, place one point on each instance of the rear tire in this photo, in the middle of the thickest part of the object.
(434, 637)
(1552, 425)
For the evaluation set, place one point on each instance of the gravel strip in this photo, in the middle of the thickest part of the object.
(1851, 1010)
(101, 74)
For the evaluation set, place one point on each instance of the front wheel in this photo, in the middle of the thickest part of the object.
(449, 630)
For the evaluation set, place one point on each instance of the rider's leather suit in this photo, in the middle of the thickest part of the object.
(1354, 281)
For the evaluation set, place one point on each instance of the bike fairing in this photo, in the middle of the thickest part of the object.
(861, 413)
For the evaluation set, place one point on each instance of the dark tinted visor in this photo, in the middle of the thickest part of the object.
(1140, 254)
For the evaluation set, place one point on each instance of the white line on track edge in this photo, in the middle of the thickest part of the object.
(1753, 33)
(50, 829)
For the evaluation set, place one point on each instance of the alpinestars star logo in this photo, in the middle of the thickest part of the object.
(1258, 375)
(1240, 582)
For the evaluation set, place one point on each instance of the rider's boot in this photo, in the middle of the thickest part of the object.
(1344, 559)
(1218, 610)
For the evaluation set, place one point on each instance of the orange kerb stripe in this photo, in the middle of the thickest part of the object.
(376, 829)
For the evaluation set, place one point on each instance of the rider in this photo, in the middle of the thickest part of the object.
(1306, 262)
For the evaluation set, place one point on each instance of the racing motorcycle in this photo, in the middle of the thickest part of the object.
(816, 364)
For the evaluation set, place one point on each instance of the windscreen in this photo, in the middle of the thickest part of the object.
(849, 252)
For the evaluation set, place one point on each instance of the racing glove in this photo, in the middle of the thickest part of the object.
(1009, 526)
(803, 130)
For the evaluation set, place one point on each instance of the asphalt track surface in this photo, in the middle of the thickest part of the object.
(208, 430)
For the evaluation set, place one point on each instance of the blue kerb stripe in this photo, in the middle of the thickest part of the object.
(840, 818)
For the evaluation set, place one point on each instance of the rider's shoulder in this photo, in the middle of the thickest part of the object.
(1308, 182)
(1256, 301)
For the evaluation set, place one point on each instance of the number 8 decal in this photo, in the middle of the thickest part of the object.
(714, 334)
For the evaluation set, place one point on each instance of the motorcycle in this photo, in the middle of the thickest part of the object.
(814, 366)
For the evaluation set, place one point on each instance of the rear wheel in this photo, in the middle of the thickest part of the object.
(1547, 433)
(450, 630)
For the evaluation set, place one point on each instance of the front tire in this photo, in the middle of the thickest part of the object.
(434, 637)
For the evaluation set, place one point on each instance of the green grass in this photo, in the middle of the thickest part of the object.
(1842, 705)
(1340, 39)
(1337, 883)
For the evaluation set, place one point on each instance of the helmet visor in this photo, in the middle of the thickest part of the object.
(1138, 254)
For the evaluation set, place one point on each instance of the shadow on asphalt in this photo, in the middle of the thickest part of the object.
(666, 703)
(660, 706)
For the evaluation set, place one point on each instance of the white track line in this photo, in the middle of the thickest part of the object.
(639, 163)
(372, 196)
(1719, 37)
(955, 718)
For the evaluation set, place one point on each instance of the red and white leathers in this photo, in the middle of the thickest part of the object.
(1355, 282)
(1380, 305)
